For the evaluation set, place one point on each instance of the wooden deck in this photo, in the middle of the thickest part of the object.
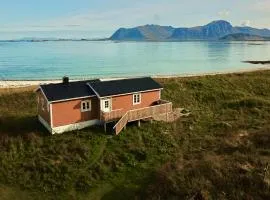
(111, 116)
(162, 107)
(118, 114)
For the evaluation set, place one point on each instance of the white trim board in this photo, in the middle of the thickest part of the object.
(128, 93)
(44, 123)
(51, 115)
(76, 126)
(75, 98)
(43, 94)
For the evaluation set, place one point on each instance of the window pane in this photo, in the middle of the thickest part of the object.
(83, 104)
(106, 104)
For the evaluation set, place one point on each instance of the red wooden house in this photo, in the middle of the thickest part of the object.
(69, 106)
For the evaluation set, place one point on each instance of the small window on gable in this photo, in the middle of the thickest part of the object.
(85, 106)
(137, 98)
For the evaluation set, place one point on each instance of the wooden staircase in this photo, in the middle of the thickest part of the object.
(142, 113)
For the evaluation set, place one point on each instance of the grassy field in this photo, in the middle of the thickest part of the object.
(221, 151)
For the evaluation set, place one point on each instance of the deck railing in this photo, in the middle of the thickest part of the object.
(111, 116)
(162, 107)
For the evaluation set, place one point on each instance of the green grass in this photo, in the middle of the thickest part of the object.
(221, 151)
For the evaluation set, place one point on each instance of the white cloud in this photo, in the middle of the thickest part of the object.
(246, 23)
(224, 13)
(261, 5)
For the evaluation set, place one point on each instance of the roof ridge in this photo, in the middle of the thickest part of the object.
(70, 81)
(124, 86)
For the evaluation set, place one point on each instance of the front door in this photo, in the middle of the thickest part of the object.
(106, 105)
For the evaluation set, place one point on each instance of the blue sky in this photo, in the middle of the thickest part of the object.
(104, 16)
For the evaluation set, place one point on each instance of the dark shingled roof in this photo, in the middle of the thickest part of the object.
(60, 91)
(123, 86)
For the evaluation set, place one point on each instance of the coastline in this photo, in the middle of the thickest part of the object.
(28, 83)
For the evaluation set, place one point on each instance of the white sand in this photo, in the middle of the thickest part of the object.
(265, 67)
(22, 83)
(16, 84)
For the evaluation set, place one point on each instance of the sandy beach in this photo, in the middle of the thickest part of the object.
(27, 83)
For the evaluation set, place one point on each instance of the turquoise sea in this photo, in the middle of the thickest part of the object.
(92, 59)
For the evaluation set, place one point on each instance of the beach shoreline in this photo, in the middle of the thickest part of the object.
(28, 83)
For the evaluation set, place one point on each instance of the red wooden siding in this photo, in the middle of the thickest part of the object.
(125, 102)
(69, 112)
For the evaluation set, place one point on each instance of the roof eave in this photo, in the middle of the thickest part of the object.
(43, 93)
(70, 99)
(128, 93)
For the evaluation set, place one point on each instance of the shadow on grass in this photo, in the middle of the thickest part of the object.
(120, 193)
(19, 126)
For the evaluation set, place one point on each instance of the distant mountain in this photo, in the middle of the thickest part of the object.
(147, 32)
(244, 37)
(211, 31)
(252, 31)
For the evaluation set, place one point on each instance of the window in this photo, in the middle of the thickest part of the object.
(85, 106)
(106, 104)
(137, 98)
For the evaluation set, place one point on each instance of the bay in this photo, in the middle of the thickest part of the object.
(95, 59)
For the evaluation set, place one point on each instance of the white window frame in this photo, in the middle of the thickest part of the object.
(85, 102)
(135, 96)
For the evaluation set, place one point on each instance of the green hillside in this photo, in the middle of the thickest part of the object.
(221, 151)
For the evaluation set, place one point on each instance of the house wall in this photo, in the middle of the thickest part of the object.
(69, 112)
(125, 102)
(43, 110)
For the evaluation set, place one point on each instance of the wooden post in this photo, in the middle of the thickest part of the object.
(105, 128)
(139, 123)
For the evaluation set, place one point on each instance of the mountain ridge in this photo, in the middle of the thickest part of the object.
(211, 31)
(244, 37)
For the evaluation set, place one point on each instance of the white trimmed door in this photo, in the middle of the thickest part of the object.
(106, 105)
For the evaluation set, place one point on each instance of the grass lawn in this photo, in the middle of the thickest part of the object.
(221, 151)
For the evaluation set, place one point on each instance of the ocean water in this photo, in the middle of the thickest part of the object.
(93, 59)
